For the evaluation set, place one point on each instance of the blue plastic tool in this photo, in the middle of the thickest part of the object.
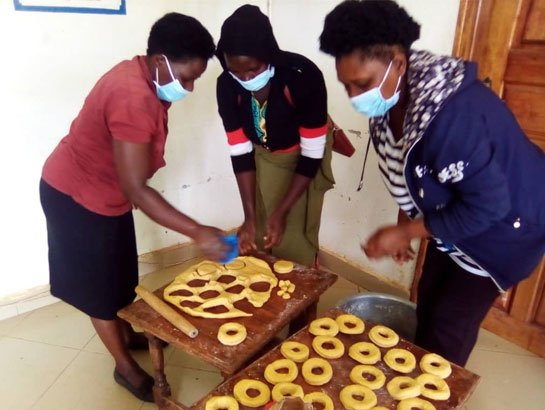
(232, 253)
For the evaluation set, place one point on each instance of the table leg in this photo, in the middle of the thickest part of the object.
(308, 315)
(161, 389)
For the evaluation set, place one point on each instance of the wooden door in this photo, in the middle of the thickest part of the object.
(507, 39)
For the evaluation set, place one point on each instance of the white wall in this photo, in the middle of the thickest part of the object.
(51, 60)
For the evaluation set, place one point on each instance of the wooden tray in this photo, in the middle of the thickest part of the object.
(461, 382)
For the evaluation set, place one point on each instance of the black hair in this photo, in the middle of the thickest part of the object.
(371, 26)
(180, 37)
(248, 32)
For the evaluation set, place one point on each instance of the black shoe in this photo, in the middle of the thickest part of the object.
(144, 392)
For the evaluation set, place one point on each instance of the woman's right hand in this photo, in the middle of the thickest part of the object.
(210, 242)
(404, 256)
(408, 254)
(246, 238)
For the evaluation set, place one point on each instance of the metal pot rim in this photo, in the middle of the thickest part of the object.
(376, 295)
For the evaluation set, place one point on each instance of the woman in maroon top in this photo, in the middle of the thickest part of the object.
(99, 172)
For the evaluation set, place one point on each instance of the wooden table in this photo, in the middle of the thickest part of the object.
(461, 382)
(262, 327)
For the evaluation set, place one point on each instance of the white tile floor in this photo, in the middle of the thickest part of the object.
(51, 359)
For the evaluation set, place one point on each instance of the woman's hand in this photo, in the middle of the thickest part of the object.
(402, 257)
(246, 238)
(274, 229)
(395, 240)
(392, 241)
(210, 241)
(276, 223)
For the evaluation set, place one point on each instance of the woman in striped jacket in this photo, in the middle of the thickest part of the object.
(455, 160)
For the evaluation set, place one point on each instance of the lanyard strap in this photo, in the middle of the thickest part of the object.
(360, 185)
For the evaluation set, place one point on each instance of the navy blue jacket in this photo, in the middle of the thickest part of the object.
(480, 182)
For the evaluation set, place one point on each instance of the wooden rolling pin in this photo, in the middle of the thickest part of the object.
(167, 312)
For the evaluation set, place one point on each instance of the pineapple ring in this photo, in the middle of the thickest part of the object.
(317, 379)
(318, 344)
(240, 391)
(231, 340)
(400, 360)
(434, 364)
(364, 353)
(368, 397)
(357, 324)
(403, 387)
(221, 402)
(324, 326)
(440, 390)
(415, 403)
(273, 376)
(383, 336)
(298, 352)
(357, 372)
(283, 390)
(320, 398)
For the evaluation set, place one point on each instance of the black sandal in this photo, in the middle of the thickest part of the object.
(144, 392)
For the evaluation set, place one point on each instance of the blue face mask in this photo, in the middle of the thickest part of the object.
(258, 82)
(371, 103)
(173, 91)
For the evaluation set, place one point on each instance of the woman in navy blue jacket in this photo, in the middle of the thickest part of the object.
(455, 160)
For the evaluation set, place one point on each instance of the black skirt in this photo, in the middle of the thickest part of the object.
(93, 261)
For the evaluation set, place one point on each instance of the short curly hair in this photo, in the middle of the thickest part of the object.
(180, 37)
(370, 26)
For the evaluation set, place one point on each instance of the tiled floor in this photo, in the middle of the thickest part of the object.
(51, 359)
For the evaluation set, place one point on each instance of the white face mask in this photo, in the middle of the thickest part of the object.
(258, 82)
(172, 91)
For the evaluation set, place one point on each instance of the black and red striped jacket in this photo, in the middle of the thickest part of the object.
(291, 125)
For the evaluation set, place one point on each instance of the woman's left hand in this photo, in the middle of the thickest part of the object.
(389, 241)
(274, 229)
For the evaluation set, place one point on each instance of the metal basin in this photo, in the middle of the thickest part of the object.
(381, 308)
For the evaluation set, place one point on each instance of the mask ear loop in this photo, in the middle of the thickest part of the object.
(385, 74)
(157, 71)
(169, 69)
(397, 86)
(384, 79)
